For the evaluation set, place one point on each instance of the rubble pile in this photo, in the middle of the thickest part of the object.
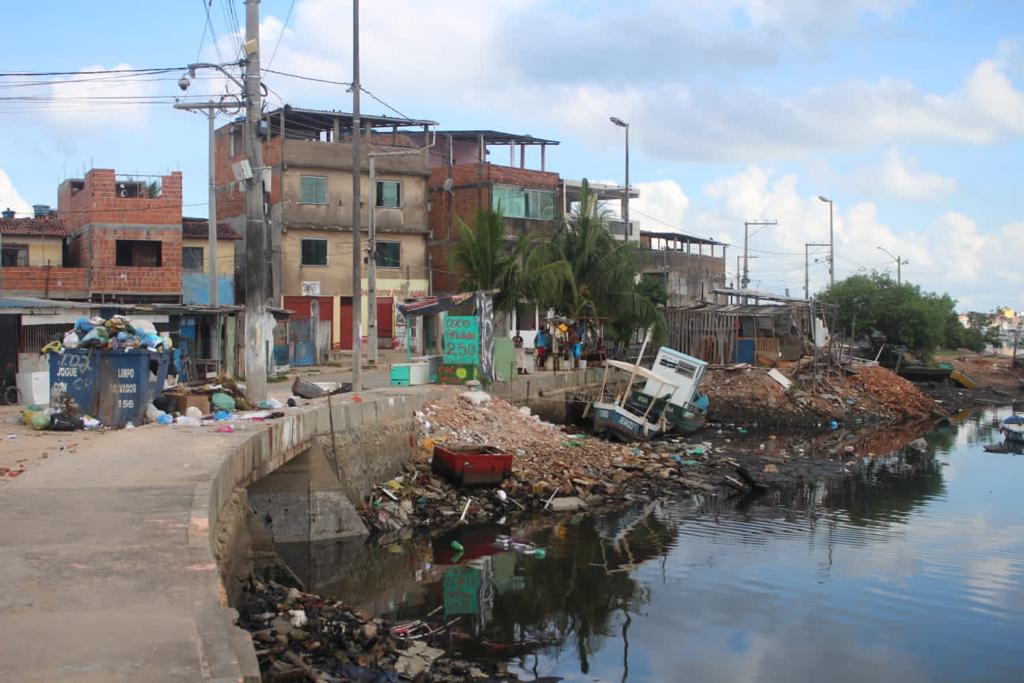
(303, 637)
(894, 392)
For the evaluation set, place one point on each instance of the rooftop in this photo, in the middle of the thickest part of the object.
(47, 226)
(313, 120)
(199, 229)
(493, 137)
(681, 237)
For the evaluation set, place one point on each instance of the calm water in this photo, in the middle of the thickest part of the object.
(914, 571)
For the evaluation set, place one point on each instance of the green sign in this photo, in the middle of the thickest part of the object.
(461, 590)
(462, 340)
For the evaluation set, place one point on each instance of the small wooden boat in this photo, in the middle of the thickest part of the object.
(625, 417)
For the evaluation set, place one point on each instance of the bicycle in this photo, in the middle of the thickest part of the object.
(9, 391)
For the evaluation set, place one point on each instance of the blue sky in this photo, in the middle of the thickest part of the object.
(910, 115)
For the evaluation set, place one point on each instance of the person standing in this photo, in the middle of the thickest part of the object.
(540, 343)
(517, 341)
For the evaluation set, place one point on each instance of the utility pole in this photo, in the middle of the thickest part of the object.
(900, 262)
(625, 202)
(746, 239)
(256, 256)
(357, 250)
(807, 272)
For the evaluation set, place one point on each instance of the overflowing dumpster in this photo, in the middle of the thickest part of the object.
(111, 385)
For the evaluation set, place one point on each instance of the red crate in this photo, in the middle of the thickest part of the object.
(472, 464)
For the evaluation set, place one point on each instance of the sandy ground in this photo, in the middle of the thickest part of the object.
(21, 447)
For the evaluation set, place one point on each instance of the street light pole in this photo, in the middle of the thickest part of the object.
(900, 262)
(831, 243)
(807, 272)
(627, 232)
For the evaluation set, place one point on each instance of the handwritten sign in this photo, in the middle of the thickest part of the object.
(462, 340)
(455, 374)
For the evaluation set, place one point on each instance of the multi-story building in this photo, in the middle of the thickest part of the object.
(126, 232)
(308, 154)
(195, 262)
(690, 268)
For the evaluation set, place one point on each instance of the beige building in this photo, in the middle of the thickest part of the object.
(309, 154)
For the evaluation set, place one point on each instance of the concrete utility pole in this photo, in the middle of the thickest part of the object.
(900, 262)
(746, 239)
(831, 242)
(257, 260)
(357, 250)
(807, 271)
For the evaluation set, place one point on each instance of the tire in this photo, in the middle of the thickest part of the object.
(12, 396)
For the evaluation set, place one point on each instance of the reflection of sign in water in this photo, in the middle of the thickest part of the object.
(462, 339)
(461, 590)
(455, 374)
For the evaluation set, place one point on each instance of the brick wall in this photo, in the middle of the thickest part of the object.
(42, 281)
(108, 277)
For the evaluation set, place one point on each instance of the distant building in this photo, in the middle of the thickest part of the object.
(690, 268)
(32, 256)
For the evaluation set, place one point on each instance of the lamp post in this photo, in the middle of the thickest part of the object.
(831, 243)
(627, 232)
(899, 263)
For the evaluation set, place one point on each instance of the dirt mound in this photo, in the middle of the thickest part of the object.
(894, 392)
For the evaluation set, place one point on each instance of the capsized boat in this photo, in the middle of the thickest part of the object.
(621, 417)
(1012, 429)
(685, 411)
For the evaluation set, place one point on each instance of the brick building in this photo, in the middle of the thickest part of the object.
(466, 175)
(32, 254)
(126, 232)
(309, 156)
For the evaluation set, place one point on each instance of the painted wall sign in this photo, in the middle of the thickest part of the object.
(462, 339)
(455, 374)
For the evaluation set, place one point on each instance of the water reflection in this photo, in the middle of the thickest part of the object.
(907, 571)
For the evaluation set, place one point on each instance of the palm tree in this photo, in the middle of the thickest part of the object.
(486, 260)
(603, 272)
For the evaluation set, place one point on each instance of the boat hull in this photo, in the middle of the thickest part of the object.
(622, 424)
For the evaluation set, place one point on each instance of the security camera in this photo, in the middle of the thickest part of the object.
(184, 82)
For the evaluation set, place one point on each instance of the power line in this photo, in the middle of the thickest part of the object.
(362, 89)
(159, 69)
(347, 84)
(280, 35)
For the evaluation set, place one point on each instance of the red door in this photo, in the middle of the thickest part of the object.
(346, 322)
(385, 321)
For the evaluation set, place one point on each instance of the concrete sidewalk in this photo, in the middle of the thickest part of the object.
(107, 571)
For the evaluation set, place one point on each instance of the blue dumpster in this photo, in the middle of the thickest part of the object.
(113, 386)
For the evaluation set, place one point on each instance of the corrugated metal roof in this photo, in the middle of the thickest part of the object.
(47, 226)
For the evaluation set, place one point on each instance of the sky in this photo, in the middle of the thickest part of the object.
(908, 114)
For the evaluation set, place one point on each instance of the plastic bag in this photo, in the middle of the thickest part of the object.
(71, 340)
(188, 421)
(222, 401)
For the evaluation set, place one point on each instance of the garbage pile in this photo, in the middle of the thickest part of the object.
(63, 416)
(302, 636)
(116, 332)
(861, 395)
(552, 470)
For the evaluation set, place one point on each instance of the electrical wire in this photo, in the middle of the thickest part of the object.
(280, 35)
(347, 84)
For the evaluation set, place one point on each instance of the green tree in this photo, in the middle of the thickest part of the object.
(923, 321)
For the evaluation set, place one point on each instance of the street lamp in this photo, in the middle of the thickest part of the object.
(899, 263)
(831, 243)
(625, 205)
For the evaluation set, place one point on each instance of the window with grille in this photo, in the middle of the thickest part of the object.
(314, 252)
(192, 259)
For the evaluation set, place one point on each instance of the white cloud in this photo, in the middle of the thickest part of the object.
(902, 178)
(99, 101)
(9, 197)
(660, 202)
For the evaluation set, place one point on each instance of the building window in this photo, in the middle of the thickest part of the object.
(192, 259)
(138, 253)
(313, 189)
(13, 255)
(389, 194)
(314, 252)
(518, 202)
(389, 254)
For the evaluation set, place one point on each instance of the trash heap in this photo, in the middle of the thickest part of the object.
(552, 469)
(302, 636)
(116, 332)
